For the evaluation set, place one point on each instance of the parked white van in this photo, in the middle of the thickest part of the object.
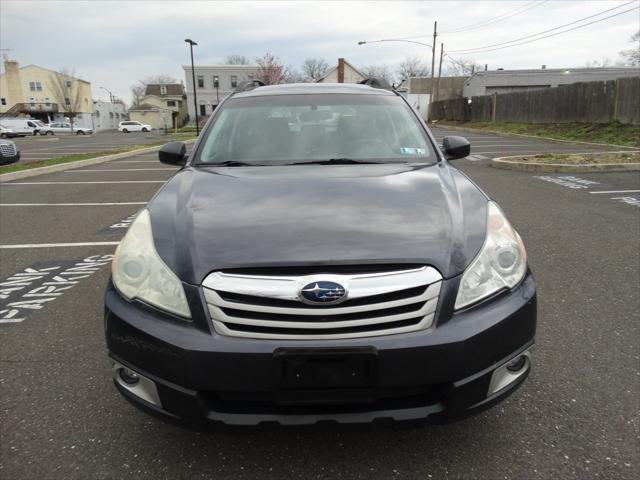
(23, 126)
(132, 126)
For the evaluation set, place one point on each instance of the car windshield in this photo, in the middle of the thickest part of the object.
(285, 129)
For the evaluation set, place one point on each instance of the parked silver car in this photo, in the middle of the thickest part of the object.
(9, 152)
(64, 128)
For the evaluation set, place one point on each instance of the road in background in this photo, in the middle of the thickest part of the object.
(488, 145)
(575, 417)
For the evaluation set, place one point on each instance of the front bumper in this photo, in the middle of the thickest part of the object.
(6, 160)
(190, 374)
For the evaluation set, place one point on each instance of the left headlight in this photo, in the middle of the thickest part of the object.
(501, 263)
(139, 272)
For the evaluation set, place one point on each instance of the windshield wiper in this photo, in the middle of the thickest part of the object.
(229, 163)
(334, 161)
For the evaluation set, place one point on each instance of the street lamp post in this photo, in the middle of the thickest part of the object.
(193, 77)
(109, 92)
(432, 47)
(216, 84)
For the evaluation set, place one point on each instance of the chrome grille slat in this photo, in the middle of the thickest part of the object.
(318, 322)
(427, 308)
(214, 299)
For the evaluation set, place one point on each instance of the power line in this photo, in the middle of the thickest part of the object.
(473, 26)
(551, 35)
(477, 49)
(518, 11)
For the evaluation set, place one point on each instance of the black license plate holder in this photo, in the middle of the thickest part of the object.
(325, 375)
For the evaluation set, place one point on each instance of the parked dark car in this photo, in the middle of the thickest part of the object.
(9, 152)
(317, 258)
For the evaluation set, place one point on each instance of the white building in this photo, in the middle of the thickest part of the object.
(506, 81)
(107, 115)
(343, 72)
(213, 83)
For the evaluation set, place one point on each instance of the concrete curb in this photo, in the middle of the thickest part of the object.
(508, 163)
(534, 137)
(33, 172)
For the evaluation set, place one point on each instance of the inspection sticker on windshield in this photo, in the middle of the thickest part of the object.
(412, 151)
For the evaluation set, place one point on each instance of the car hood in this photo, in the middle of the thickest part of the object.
(207, 219)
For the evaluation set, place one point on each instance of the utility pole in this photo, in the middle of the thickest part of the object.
(193, 77)
(439, 71)
(433, 59)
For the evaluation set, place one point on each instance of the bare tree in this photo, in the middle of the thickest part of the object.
(632, 55)
(138, 89)
(291, 75)
(270, 70)
(378, 71)
(461, 67)
(236, 59)
(314, 68)
(162, 79)
(137, 92)
(412, 67)
(66, 91)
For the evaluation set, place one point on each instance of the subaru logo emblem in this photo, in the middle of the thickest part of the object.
(323, 292)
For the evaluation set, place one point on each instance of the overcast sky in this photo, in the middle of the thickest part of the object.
(115, 43)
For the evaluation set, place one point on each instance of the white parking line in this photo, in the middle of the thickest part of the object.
(57, 245)
(123, 170)
(617, 191)
(105, 204)
(82, 183)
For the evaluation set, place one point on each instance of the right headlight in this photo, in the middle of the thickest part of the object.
(501, 263)
(139, 272)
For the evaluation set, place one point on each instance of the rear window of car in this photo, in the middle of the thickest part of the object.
(281, 129)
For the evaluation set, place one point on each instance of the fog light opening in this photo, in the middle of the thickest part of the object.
(517, 364)
(129, 376)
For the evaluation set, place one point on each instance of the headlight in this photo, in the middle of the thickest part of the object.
(501, 263)
(139, 272)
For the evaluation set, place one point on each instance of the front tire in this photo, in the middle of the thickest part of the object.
(49, 133)
(144, 130)
(124, 130)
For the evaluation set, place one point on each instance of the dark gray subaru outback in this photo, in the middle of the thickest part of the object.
(318, 259)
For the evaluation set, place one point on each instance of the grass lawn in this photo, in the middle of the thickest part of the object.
(583, 159)
(614, 133)
(16, 167)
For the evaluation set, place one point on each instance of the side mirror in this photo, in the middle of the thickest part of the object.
(173, 153)
(455, 147)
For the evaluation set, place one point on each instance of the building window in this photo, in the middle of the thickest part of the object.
(234, 81)
(68, 83)
(200, 81)
(32, 101)
(203, 110)
(47, 101)
(66, 101)
(3, 101)
(216, 81)
(163, 90)
(171, 103)
(35, 86)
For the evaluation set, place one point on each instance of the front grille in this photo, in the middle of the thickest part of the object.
(270, 306)
(8, 150)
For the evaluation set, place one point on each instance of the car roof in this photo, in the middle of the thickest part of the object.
(312, 88)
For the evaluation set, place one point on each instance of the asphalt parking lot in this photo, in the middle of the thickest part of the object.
(34, 148)
(577, 416)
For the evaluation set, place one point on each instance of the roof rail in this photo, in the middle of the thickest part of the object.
(248, 85)
(376, 82)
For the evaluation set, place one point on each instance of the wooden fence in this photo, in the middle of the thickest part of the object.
(585, 102)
